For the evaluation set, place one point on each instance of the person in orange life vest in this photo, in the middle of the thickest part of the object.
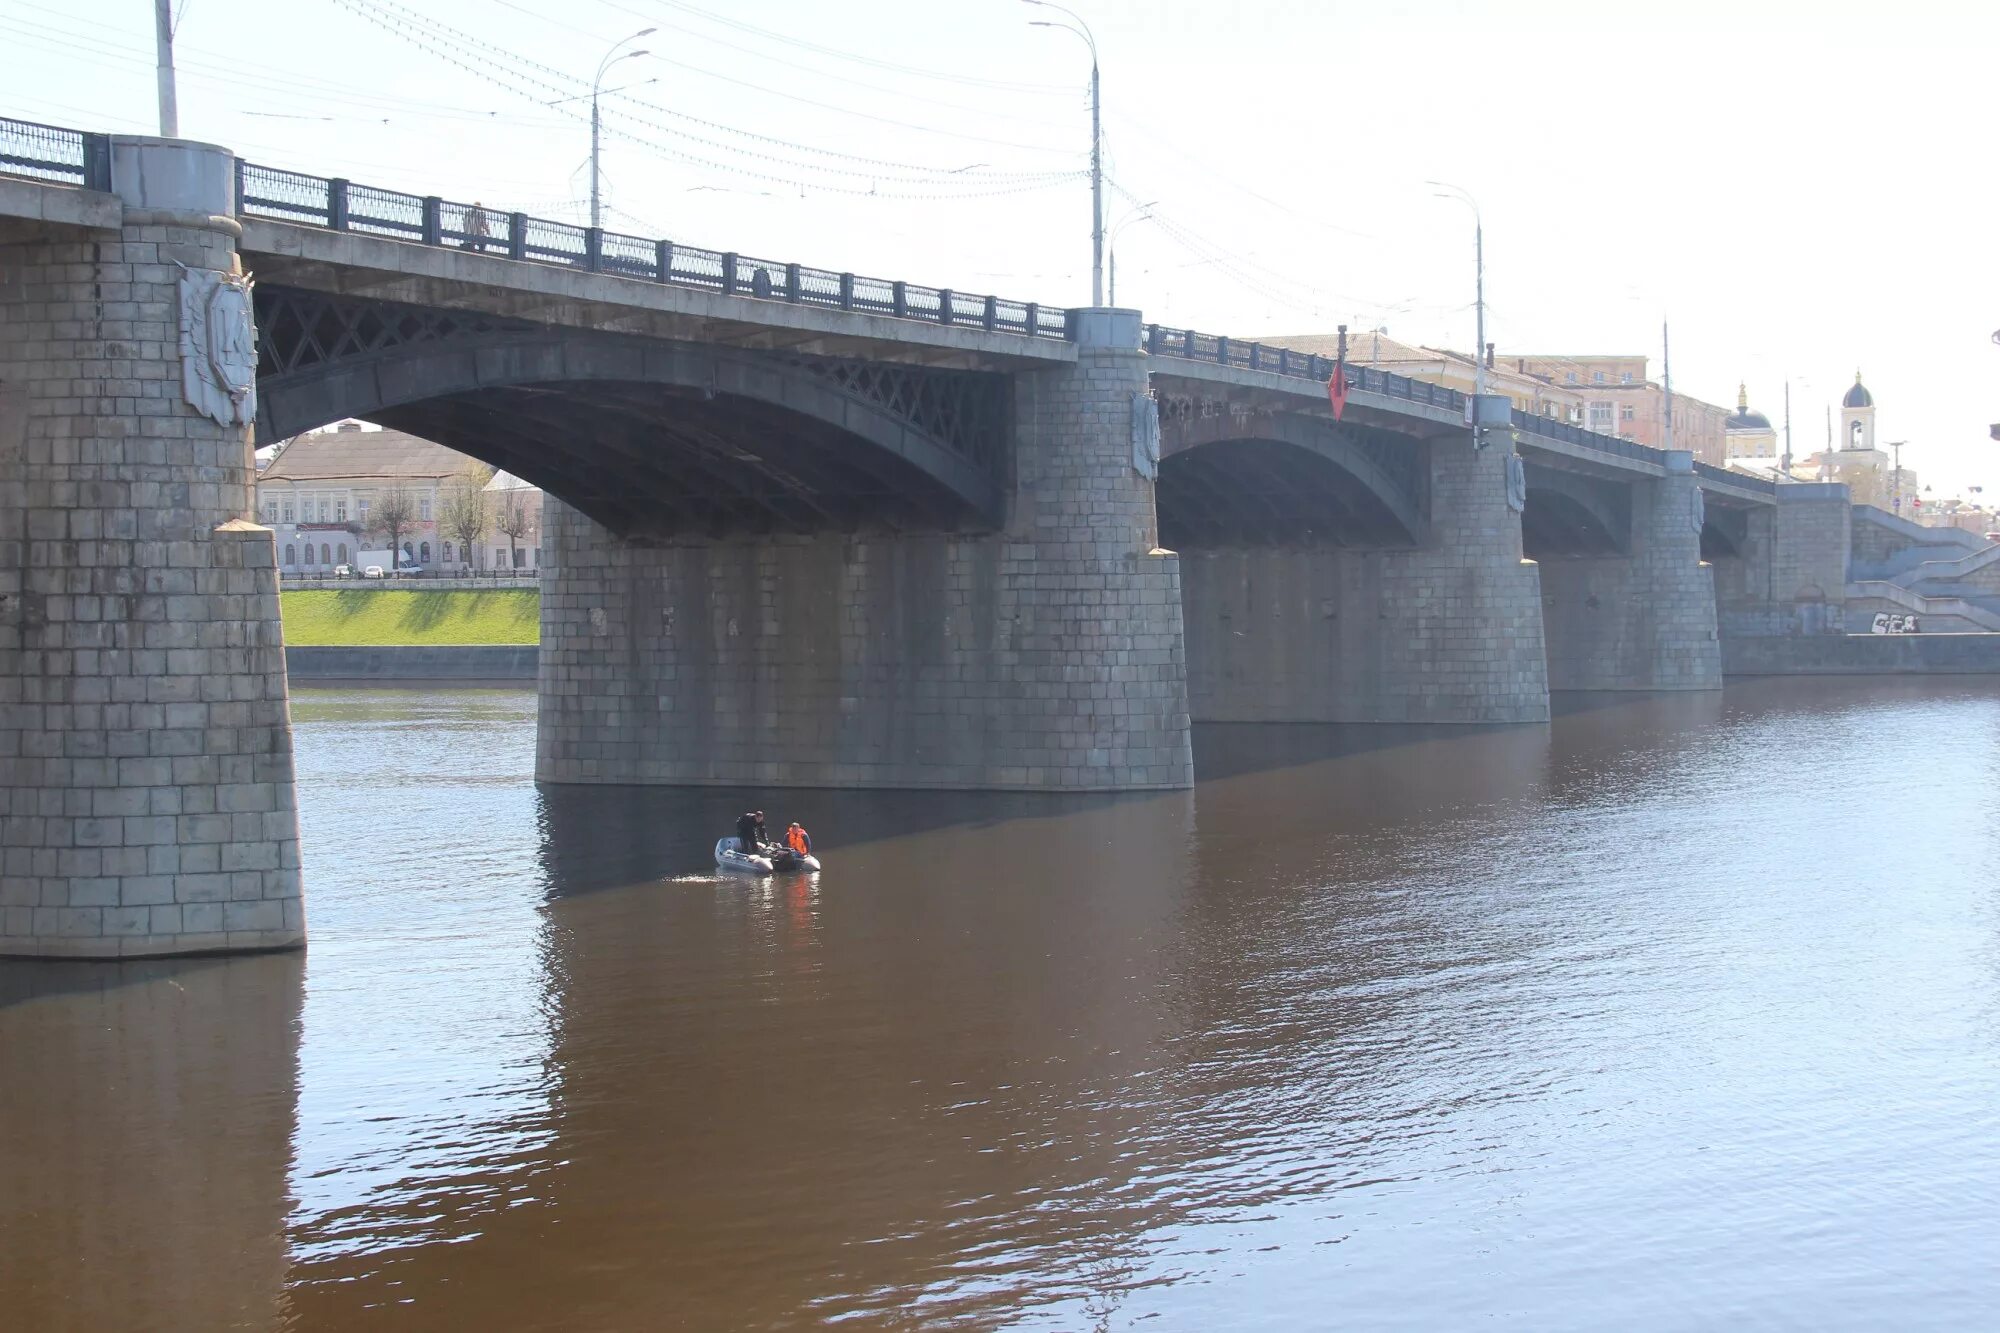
(798, 839)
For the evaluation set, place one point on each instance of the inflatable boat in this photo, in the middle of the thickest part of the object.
(729, 855)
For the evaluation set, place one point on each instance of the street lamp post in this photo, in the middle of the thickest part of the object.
(611, 58)
(1082, 30)
(1140, 213)
(1449, 191)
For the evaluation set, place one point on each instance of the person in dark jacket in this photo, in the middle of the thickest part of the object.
(750, 832)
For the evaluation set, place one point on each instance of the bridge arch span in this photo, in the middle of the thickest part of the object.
(1284, 479)
(645, 436)
(1572, 515)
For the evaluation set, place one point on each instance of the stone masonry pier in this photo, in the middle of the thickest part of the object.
(146, 799)
(1644, 618)
(1448, 631)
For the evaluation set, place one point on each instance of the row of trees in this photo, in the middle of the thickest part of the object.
(465, 512)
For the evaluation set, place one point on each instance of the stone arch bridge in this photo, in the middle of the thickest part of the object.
(805, 529)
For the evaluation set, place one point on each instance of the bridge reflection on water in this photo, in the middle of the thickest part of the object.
(1595, 1023)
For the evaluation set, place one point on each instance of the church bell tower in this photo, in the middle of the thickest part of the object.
(1857, 418)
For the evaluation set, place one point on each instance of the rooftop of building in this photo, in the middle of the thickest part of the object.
(507, 481)
(349, 452)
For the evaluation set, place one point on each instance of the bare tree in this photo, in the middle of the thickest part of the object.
(394, 514)
(512, 520)
(462, 510)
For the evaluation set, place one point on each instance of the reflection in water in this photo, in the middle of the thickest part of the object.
(1676, 1012)
(145, 1123)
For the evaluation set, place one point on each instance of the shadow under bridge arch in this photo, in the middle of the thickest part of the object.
(649, 436)
(1284, 479)
(1569, 514)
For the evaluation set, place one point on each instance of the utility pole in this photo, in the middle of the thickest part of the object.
(611, 57)
(163, 32)
(1667, 380)
(1096, 184)
(1446, 190)
(1785, 471)
(1896, 476)
(1082, 29)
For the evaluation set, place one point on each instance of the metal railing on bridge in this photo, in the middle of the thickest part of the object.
(342, 205)
(76, 157)
(1187, 344)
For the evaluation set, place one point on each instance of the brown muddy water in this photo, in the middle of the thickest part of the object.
(1678, 1013)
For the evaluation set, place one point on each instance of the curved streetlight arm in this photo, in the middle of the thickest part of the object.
(612, 54)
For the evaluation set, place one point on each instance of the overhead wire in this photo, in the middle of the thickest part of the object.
(483, 69)
(899, 95)
(406, 22)
(874, 62)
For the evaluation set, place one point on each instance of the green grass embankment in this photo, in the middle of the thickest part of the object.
(371, 617)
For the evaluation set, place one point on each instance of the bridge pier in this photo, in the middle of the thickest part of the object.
(1643, 620)
(1047, 655)
(146, 800)
(1791, 578)
(1450, 631)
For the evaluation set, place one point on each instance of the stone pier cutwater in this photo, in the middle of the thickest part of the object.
(1044, 656)
(1642, 619)
(1450, 631)
(146, 797)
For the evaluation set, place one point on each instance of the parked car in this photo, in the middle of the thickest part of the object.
(372, 572)
(410, 572)
(343, 571)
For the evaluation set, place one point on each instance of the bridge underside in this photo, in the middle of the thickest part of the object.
(650, 438)
(659, 461)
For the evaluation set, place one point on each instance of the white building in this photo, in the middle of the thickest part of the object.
(322, 493)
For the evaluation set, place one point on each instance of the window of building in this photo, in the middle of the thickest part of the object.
(445, 551)
(538, 557)
(1600, 417)
(288, 511)
(361, 508)
(1625, 378)
(343, 553)
(424, 553)
(291, 555)
(325, 555)
(520, 558)
(1571, 377)
(1597, 377)
(271, 513)
(1626, 414)
(408, 554)
(424, 508)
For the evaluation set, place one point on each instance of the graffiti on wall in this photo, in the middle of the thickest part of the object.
(1888, 623)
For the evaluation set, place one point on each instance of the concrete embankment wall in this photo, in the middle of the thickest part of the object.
(461, 662)
(1862, 655)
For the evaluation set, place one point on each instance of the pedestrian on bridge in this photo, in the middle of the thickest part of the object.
(476, 228)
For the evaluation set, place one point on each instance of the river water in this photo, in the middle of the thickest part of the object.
(1678, 1013)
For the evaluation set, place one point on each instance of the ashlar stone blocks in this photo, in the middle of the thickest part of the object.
(146, 801)
(1449, 631)
(1643, 620)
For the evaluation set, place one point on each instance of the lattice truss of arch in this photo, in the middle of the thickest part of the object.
(300, 329)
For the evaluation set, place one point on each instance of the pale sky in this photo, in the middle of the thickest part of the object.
(1803, 189)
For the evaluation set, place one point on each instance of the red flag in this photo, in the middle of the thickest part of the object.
(1336, 389)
